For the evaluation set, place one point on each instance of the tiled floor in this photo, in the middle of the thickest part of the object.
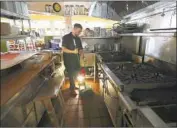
(86, 109)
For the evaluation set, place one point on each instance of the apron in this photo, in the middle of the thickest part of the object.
(72, 61)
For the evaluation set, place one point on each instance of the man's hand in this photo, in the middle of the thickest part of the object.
(70, 51)
(75, 51)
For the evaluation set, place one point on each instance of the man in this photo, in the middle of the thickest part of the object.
(88, 32)
(72, 49)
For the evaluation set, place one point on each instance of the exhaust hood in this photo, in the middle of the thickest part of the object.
(116, 10)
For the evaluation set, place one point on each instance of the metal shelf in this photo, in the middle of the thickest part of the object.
(20, 58)
(155, 34)
(98, 37)
(14, 37)
(12, 15)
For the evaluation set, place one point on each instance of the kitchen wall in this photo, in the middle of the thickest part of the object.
(159, 15)
(130, 44)
(90, 42)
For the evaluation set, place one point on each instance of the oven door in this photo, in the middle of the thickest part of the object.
(112, 102)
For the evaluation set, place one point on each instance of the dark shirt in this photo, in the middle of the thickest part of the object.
(71, 42)
(71, 61)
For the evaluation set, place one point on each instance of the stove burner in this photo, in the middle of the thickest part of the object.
(120, 67)
(134, 76)
(130, 73)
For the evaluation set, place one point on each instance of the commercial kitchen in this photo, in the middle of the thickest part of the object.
(129, 64)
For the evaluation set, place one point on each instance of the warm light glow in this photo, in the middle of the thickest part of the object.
(80, 78)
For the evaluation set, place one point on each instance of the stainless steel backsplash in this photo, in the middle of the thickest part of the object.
(160, 15)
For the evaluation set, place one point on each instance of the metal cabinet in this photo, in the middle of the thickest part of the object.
(27, 115)
(101, 87)
(16, 111)
(31, 120)
(111, 99)
(15, 117)
(39, 109)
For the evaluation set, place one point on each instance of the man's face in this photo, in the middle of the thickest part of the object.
(77, 31)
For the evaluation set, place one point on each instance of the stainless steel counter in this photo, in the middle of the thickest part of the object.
(19, 109)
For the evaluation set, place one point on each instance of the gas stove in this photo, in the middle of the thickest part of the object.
(156, 96)
(140, 75)
(143, 88)
(167, 114)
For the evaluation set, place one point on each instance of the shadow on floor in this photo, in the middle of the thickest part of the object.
(86, 109)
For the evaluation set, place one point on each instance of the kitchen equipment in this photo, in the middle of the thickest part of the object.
(113, 57)
(103, 32)
(103, 47)
(97, 31)
(18, 7)
(33, 62)
(5, 28)
(109, 32)
(143, 92)
(167, 113)
(15, 30)
(127, 28)
(11, 6)
(111, 100)
(155, 96)
(117, 47)
(81, 10)
(140, 75)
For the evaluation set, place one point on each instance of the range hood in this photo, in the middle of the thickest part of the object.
(116, 10)
(102, 9)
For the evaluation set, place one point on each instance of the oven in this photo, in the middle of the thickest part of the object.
(146, 117)
(111, 100)
(121, 112)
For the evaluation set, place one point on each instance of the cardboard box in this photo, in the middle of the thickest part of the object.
(5, 29)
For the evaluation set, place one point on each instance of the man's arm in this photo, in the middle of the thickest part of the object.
(65, 45)
(69, 51)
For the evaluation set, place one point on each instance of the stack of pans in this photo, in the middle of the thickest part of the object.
(127, 28)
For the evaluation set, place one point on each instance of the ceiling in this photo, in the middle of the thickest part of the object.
(122, 8)
(40, 6)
